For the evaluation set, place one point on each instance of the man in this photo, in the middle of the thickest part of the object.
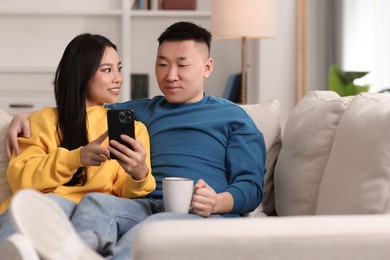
(193, 135)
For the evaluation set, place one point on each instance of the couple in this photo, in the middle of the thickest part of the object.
(192, 134)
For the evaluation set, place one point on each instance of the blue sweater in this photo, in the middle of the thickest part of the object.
(213, 139)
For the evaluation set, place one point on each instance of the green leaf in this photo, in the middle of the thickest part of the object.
(352, 75)
(342, 82)
(335, 82)
(360, 89)
(350, 89)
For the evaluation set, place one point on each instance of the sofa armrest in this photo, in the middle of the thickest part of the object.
(304, 237)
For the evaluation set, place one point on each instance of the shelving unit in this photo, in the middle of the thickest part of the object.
(36, 32)
(26, 83)
(54, 11)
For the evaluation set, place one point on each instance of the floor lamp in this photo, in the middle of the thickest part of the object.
(243, 19)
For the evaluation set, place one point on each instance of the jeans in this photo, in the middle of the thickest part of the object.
(114, 221)
(102, 219)
(123, 250)
(105, 222)
(6, 225)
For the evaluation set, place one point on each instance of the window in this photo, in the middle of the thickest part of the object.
(365, 40)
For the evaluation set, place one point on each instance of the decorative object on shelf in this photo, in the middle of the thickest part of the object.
(244, 19)
(342, 82)
(139, 86)
(155, 4)
(179, 4)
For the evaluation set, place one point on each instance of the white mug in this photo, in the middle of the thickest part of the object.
(177, 194)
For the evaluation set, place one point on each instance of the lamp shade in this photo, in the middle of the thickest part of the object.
(235, 19)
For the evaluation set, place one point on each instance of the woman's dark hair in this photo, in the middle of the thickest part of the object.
(182, 31)
(78, 65)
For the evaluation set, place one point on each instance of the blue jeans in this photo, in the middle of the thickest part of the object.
(123, 249)
(105, 222)
(6, 225)
(102, 219)
(108, 223)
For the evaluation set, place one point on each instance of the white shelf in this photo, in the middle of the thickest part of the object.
(27, 70)
(113, 12)
(56, 11)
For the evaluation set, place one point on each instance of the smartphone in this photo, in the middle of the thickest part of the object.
(120, 121)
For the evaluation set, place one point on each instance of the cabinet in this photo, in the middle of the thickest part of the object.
(34, 34)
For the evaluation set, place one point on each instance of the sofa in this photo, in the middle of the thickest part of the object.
(326, 192)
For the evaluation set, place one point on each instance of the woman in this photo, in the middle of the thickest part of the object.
(68, 153)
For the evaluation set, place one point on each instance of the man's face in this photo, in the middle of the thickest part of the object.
(181, 67)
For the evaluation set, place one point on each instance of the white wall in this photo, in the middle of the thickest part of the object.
(277, 56)
(275, 71)
(277, 67)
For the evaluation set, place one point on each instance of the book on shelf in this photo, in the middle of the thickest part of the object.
(233, 88)
(179, 4)
(164, 5)
(139, 85)
(141, 5)
(147, 4)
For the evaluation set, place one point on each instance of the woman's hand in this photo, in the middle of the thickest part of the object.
(18, 125)
(93, 154)
(132, 161)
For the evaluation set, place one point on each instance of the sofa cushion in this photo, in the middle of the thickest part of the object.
(293, 238)
(307, 141)
(5, 189)
(267, 117)
(357, 176)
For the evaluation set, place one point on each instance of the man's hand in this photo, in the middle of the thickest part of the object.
(132, 161)
(18, 125)
(93, 154)
(205, 201)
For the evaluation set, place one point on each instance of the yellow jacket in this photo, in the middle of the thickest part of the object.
(44, 166)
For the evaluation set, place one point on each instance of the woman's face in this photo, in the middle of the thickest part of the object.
(104, 86)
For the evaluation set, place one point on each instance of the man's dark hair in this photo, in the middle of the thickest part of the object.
(182, 31)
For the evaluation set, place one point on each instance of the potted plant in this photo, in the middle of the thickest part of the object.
(342, 82)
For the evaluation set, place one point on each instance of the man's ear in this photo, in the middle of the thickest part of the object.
(208, 67)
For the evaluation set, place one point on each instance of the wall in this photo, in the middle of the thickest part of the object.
(275, 70)
(277, 60)
(277, 73)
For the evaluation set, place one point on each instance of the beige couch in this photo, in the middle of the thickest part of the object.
(326, 189)
(329, 184)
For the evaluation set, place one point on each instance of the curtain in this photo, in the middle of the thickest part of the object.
(365, 41)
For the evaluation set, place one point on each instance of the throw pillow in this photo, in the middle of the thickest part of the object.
(307, 141)
(357, 176)
(267, 117)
